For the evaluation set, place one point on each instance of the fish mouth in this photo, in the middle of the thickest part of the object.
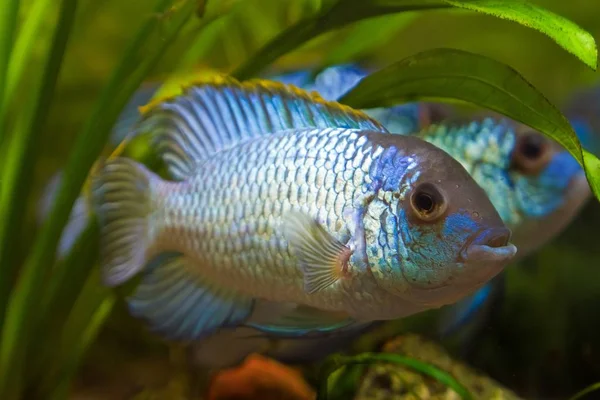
(489, 245)
(485, 255)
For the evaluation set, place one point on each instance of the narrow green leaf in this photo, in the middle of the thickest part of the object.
(344, 12)
(89, 313)
(22, 51)
(22, 149)
(336, 362)
(133, 68)
(592, 388)
(448, 74)
(8, 21)
(60, 294)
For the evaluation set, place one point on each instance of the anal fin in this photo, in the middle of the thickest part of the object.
(180, 305)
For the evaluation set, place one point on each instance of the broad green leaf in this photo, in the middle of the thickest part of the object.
(567, 34)
(344, 12)
(447, 74)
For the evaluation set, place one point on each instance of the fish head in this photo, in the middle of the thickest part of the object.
(534, 183)
(549, 188)
(436, 237)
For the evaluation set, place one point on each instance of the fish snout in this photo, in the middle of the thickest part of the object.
(489, 245)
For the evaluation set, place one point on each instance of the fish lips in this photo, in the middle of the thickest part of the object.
(486, 254)
(489, 246)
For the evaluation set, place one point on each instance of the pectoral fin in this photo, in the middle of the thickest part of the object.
(323, 258)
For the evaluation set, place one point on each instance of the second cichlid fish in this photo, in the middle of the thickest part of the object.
(290, 215)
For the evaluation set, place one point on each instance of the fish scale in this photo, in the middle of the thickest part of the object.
(217, 210)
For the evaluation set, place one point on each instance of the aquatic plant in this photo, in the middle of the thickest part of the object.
(336, 362)
(65, 299)
(584, 392)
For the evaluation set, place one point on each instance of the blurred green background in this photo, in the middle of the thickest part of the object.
(543, 342)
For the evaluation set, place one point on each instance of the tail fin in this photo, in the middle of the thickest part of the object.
(122, 196)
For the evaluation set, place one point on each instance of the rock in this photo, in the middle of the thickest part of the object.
(395, 382)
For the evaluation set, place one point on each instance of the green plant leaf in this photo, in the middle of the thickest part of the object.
(22, 148)
(16, 177)
(592, 388)
(448, 74)
(215, 11)
(23, 48)
(565, 33)
(142, 54)
(91, 309)
(344, 12)
(337, 361)
(8, 21)
(365, 36)
(60, 294)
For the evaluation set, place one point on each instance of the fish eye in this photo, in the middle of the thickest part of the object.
(531, 153)
(428, 202)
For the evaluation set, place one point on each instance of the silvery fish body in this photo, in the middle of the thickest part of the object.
(290, 215)
(229, 215)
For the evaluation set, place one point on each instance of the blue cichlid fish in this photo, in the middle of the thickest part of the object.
(549, 196)
(290, 215)
(536, 186)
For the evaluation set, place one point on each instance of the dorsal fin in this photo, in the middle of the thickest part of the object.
(213, 116)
